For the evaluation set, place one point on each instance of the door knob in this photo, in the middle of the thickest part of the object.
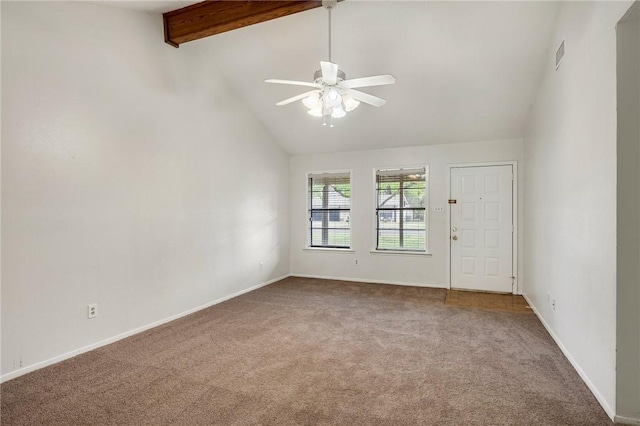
(454, 238)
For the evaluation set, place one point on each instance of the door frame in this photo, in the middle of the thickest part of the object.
(514, 210)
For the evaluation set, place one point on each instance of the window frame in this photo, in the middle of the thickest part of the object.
(427, 215)
(309, 212)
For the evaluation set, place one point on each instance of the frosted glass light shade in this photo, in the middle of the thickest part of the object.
(330, 103)
(349, 103)
(316, 112)
(332, 98)
(312, 101)
(338, 112)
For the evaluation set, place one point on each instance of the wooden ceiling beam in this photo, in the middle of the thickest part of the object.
(217, 16)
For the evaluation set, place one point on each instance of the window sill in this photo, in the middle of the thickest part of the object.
(329, 249)
(402, 252)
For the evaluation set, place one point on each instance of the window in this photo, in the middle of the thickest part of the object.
(401, 209)
(330, 210)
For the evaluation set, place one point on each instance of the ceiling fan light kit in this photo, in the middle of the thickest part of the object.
(333, 95)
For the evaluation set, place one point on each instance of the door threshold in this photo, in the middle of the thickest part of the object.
(469, 290)
(485, 300)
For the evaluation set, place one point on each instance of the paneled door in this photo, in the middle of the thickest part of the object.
(481, 234)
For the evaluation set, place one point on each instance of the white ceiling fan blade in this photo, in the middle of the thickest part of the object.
(297, 98)
(378, 80)
(366, 98)
(294, 83)
(329, 72)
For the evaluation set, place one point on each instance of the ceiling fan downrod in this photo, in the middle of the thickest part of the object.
(329, 5)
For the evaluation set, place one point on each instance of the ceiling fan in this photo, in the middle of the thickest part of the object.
(333, 95)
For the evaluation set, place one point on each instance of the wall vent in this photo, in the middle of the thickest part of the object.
(559, 54)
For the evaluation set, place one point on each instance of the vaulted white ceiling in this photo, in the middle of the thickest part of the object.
(151, 6)
(466, 71)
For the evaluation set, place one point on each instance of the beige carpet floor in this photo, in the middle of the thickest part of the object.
(315, 352)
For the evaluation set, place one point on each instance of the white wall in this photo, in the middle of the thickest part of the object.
(628, 217)
(570, 193)
(392, 268)
(131, 177)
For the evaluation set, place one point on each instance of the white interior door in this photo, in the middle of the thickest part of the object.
(481, 234)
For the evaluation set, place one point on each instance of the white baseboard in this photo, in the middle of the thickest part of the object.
(365, 280)
(71, 354)
(605, 405)
(626, 420)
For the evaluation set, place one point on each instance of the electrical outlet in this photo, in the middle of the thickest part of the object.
(261, 266)
(438, 209)
(553, 304)
(356, 261)
(92, 310)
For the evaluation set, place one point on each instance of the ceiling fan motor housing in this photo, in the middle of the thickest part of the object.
(317, 77)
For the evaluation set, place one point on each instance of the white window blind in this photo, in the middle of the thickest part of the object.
(401, 213)
(329, 210)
